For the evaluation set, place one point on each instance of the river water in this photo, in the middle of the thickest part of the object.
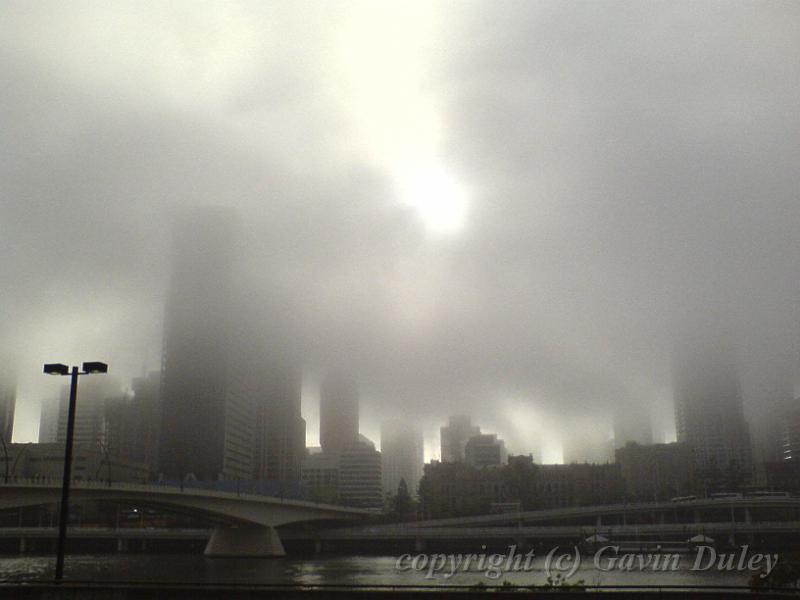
(335, 570)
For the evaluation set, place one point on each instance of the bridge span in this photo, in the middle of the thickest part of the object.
(728, 521)
(245, 523)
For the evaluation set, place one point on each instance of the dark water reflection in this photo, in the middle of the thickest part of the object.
(328, 570)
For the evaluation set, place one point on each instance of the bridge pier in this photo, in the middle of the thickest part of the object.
(244, 541)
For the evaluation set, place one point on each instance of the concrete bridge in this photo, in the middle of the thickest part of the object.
(245, 523)
(729, 520)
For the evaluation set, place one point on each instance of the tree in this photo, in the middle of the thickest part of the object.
(402, 501)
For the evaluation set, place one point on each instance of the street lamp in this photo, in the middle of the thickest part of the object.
(59, 369)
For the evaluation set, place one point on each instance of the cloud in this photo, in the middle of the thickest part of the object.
(626, 168)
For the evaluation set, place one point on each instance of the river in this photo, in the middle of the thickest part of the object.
(334, 570)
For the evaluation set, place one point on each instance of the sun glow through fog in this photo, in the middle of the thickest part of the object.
(389, 86)
(438, 198)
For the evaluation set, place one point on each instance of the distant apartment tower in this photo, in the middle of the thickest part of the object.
(8, 401)
(454, 437)
(207, 425)
(338, 413)
(360, 475)
(709, 416)
(485, 450)
(403, 455)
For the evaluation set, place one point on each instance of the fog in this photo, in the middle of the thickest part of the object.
(514, 210)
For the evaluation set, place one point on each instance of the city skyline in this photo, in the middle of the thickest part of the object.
(483, 229)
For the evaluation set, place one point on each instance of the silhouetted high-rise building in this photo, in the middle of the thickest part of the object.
(790, 450)
(454, 437)
(8, 401)
(338, 413)
(230, 392)
(485, 450)
(632, 424)
(90, 412)
(132, 423)
(403, 455)
(207, 425)
(360, 475)
(280, 430)
(48, 421)
(708, 408)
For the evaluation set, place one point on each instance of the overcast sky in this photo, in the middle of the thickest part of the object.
(502, 208)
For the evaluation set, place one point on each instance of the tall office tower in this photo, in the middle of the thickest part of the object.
(708, 408)
(93, 391)
(124, 428)
(8, 401)
(454, 437)
(207, 425)
(403, 456)
(338, 413)
(280, 430)
(132, 421)
(768, 411)
(632, 424)
(360, 475)
(790, 450)
(48, 421)
(147, 398)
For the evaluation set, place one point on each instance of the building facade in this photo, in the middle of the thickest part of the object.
(485, 450)
(8, 403)
(48, 420)
(656, 472)
(338, 413)
(709, 415)
(360, 475)
(454, 437)
(403, 455)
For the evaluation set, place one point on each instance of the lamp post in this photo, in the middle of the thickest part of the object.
(59, 369)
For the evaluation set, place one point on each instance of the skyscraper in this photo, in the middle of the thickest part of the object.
(8, 401)
(632, 424)
(280, 430)
(338, 413)
(403, 457)
(48, 421)
(708, 407)
(132, 423)
(90, 411)
(207, 425)
(360, 475)
(454, 437)
(230, 392)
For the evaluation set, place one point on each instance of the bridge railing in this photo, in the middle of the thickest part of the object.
(187, 487)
